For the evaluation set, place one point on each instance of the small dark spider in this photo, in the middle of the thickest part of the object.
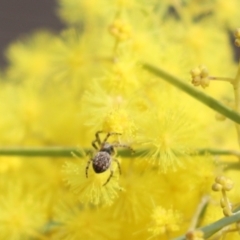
(102, 160)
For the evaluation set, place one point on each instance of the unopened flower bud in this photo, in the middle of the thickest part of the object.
(195, 235)
(227, 211)
(220, 179)
(216, 187)
(205, 82)
(228, 185)
(237, 33)
(237, 37)
(237, 42)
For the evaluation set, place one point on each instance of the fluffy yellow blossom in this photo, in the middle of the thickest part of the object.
(73, 221)
(11, 129)
(120, 30)
(165, 221)
(137, 179)
(92, 189)
(69, 57)
(28, 60)
(74, 12)
(125, 75)
(167, 137)
(109, 112)
(118, 120)
(229, 16)
(23, 214)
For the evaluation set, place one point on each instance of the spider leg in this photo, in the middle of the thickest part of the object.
(94, 144)
(97, 140)
(110, 134)
(118, 163)
(123, 146)
(110, 176)
(87, 167)
(97, 137)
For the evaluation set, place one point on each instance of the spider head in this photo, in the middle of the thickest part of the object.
(106, 147)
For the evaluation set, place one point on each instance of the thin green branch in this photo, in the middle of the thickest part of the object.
(225, 79)
(236, 86)
(39, 151)
(67, 152)
(200, 96)
(57, 152)
(217, 152)
(199, 212)
(210, 229)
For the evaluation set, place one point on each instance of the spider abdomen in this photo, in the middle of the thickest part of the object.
(101, 162)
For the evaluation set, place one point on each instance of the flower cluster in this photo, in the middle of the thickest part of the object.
(200, 76)
(59, 89)
(165, 221)
(224, 184)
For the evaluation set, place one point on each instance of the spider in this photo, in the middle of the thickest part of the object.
(102, 160)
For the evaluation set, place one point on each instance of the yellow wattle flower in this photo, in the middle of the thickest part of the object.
(91, 190)
(165, 221)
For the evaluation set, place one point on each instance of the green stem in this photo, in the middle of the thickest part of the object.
(58, 152)
(236, 86)
(200, 96)
(67, 152)
(210, 229)
(225, 79)
(227, 203)
(204, 201)
(217, 152)
(40, 151)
